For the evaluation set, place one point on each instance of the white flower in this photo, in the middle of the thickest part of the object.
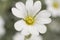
(32, 20)
(19, 36)
(54, 7)
(2, 30)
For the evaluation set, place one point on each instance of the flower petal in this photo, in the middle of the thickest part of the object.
(25, 32)
(18, 25)
(43, 20)
(18, 36)
(44, 14)
(42, 28)
(37, 7)
(21, 7)
(18, 13)
(33, 31)
(29, 6)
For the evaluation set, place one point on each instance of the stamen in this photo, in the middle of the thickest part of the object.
(55, 5)
(29, 20)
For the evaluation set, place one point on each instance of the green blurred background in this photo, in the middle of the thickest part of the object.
(53, 29)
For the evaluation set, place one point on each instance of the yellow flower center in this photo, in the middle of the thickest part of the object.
(29, 20)
(55, 5)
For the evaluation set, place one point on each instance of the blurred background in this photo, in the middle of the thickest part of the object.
(53, 29)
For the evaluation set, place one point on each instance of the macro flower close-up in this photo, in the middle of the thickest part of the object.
(32, 19)
(29, 19)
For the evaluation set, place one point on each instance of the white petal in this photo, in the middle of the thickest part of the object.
(37, 7)
(25, 32)
(21, 7)
(43, 17)
(43, 20)
(29, 6)
(34, 37)
(33, 31)
(18, 13)
(19, 25)
(18, 36)
(44, 14)
(42, 28)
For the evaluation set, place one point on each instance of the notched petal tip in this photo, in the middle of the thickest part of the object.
(36, 7)
(43, 29)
